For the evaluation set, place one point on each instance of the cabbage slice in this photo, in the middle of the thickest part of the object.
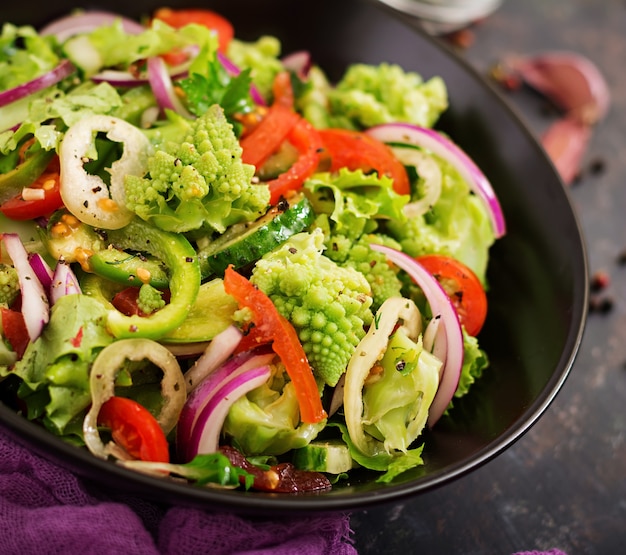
(390, 381)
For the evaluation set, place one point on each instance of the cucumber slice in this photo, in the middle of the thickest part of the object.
(129, 268)
(332, 456)
(243, 244)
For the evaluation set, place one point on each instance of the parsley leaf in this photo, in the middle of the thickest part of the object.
(210, 84)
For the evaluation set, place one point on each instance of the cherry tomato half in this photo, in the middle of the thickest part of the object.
(135, 429)
(18, 208)
(355, 150)
(463, 287)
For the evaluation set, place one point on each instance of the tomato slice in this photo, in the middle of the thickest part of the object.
(208, 18)
(18, 208)
(463, 287)
(15, 331)
(357, 151)
(135, 429)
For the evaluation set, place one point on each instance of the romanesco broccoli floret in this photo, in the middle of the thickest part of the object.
(149, 299)
(9, 285)
(262, 57)
(368, 95)
(382, 277)
(196, 179)
(328, 305)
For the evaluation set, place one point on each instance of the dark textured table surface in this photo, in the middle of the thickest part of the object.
(563, 484)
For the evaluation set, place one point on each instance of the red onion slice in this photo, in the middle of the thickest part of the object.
(84, 22)
(119, 78)
(163, 88)
(60, 72)
(206, 433)
(449, 336)
(220, 348)
(42, 270)
(35, 307)
(204, 392)
(299, 62)
(439, 145)
(64, 282)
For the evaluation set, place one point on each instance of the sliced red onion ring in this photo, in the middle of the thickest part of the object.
(439, 145)
(163, 88)
(233, 70)
(60, 72)
(64, 282)
(84, 22)
(206, 390)
(35, 306)
(229, 66)
(219, 349)
(449, 333)
(206, 433)
(299, 62)
(42, 270)
(120, 78)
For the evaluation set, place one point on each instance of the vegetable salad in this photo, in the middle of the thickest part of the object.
(218, 265)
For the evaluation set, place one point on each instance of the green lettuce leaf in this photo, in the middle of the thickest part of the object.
(55, 367)
(24, 55)
(475, 360)
(353, 200)
(458, 226)
(266, 421)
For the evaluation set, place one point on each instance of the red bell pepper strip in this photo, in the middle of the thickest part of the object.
(271, 326)
(307, 141)
(267, 136)
(355, 150)
(282, 90)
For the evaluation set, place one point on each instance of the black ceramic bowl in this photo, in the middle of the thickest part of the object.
(538, 274)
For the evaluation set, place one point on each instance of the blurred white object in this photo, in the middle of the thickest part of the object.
(445, 16)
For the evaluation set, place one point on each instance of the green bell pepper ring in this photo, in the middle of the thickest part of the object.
(128, 268)
(181, 259)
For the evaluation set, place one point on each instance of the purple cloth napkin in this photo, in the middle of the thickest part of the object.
(46, 509)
